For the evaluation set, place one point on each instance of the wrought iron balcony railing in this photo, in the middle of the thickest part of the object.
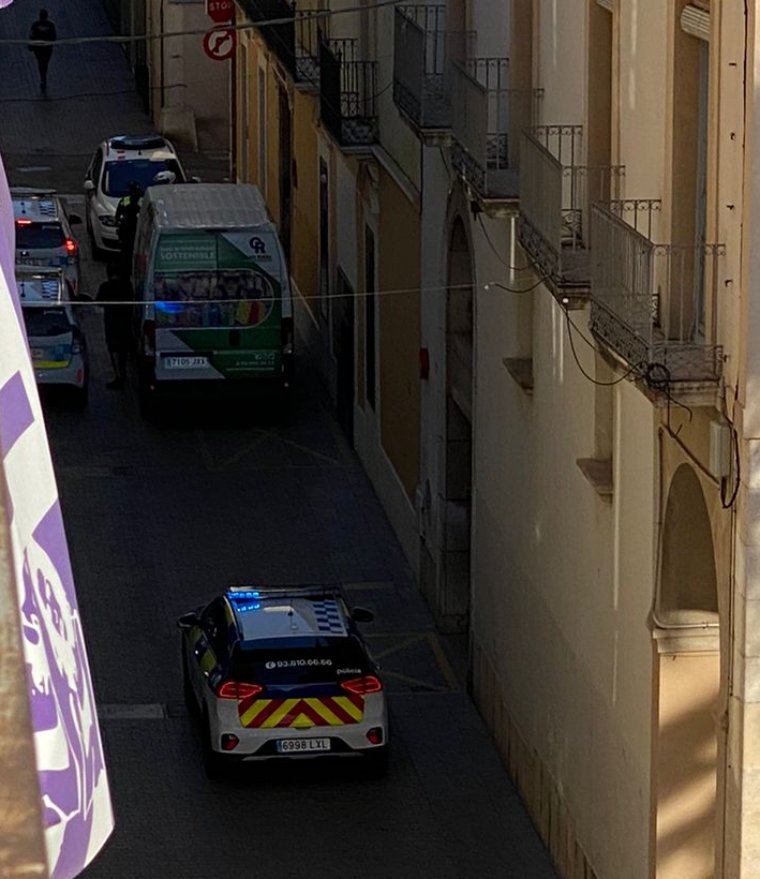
(295, 40)
(421, 87)
(556, 194)
(348, 93)
(486, 119)
(648, 300)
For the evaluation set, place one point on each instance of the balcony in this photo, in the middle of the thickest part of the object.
(556, 194)
(348, 93)
(294, 41)
(648, 300)
(420, 82)
(487, 117)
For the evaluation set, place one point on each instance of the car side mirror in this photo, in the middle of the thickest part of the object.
(74, 219)
(362, 615)
(89, 186)
(187, 620)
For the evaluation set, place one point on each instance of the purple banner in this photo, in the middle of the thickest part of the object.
(76, 804)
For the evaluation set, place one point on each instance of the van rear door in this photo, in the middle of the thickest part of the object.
(218, 305)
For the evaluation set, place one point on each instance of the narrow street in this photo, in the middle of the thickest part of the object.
(161, 518)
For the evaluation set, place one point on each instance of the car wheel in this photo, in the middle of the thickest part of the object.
(376, 762)
(213, 763)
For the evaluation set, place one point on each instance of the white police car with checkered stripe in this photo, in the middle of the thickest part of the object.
(283, 673)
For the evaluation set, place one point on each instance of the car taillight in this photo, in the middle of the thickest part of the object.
(71, 247)
(363, 685)
(23, 222)
(238, 690)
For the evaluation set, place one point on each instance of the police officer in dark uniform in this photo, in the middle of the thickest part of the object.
(127, 212)
(42, 30)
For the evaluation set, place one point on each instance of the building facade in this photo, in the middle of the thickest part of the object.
(522, 237)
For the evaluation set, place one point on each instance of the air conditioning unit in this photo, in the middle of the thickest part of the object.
(721, 443)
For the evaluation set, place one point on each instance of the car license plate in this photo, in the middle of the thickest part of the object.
(185, 362)
(302, 746)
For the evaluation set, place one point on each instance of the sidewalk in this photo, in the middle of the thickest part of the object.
(48, 141)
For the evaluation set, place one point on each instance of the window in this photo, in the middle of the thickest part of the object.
(213, 623)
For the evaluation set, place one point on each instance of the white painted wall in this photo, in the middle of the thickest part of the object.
(560, 59)
(643, 75)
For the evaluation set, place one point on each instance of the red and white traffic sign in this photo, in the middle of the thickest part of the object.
(220, 11)
(219, 44)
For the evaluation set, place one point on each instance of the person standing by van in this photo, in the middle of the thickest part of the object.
(42, 30)
(116, 295)
(127, 212)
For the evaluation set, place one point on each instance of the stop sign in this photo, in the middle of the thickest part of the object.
(220, 10)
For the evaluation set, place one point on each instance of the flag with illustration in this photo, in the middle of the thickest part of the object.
(55, 806)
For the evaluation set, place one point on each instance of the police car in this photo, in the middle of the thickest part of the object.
(278, 673)
(116, 163)
(56, 341)
(43, 231)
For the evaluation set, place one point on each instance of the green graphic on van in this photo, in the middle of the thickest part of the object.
(202, 281)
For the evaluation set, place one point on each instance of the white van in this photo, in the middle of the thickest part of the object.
(216, 303)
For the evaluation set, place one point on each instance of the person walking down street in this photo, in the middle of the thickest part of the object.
(127, 212)
(116, 295)
(42, 31)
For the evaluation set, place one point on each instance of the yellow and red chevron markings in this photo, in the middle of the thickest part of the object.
(301, 713)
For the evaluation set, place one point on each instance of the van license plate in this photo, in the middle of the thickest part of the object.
(185, 362)
(302, 746)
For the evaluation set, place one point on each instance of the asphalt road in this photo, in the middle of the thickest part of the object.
(161, 518)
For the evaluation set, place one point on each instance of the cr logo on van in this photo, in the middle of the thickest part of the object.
(257, 245)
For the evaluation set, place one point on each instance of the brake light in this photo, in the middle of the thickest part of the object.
(23, 222)
(71, 246)
(363, 685)
(238, 690)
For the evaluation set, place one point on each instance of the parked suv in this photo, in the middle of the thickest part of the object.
(116, 163)
(43, 232)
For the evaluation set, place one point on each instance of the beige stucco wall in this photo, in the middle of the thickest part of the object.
(399, 328)
(305, 249)
(642, 46)
(559, 59)
(563, 581)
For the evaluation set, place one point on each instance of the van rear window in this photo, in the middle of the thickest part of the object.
(223, 298)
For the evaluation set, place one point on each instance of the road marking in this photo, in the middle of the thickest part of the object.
(213, 467)
(415, 682)
(442, 660)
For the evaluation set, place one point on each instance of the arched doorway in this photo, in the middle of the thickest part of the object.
(687, 687)
(457, 483)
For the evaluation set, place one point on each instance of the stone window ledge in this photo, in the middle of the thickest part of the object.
(598, 472)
